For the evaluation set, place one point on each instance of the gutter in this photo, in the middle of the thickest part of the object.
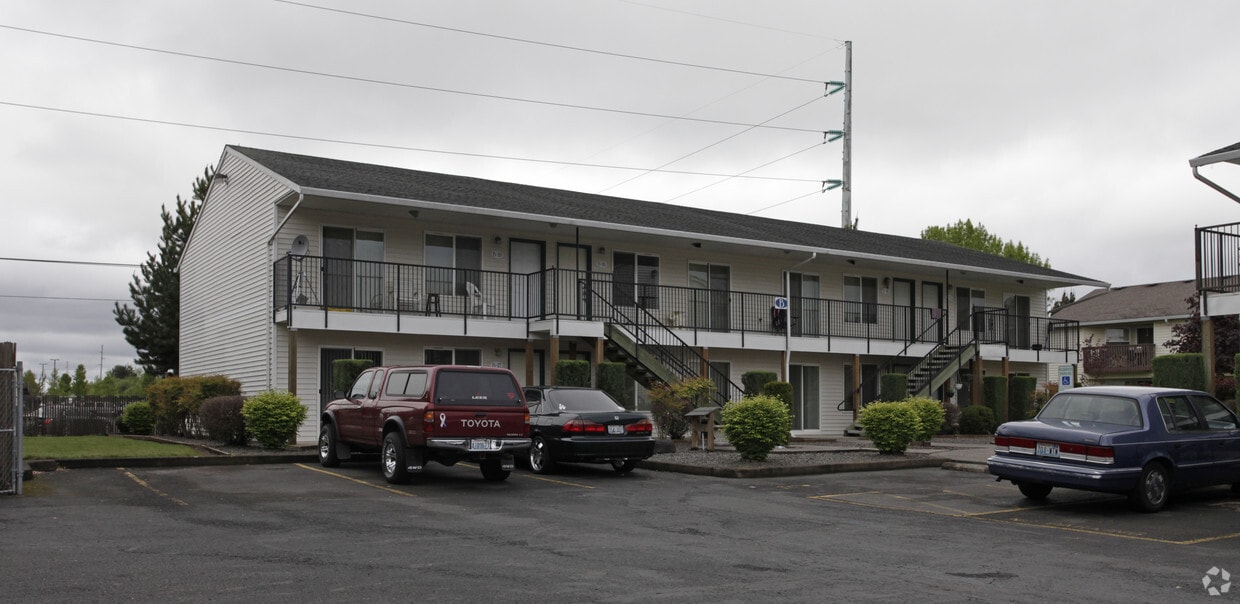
(1215, 186)
(300, 198)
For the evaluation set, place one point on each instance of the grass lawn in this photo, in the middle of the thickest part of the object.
(91, 447)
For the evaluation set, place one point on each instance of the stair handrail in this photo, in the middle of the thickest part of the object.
(903, 354)
(643, 337)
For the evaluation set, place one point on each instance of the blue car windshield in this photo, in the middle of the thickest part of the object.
(1070, 407)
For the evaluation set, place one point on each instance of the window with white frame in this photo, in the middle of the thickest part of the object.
(1117, 335)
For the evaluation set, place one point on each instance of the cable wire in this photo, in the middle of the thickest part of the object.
(392, 83)
(81, 262)
(799, 197)
(742, 174)
(547, 44)
(381, 146)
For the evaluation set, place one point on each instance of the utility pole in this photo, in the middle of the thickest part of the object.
(54, 366)
(846, 198)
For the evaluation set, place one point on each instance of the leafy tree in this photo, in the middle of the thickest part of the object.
(1187, 336)
(121, 372)
(965, 234)
(79, 381)
(1064, 300)
(152, 326)
(32, 384)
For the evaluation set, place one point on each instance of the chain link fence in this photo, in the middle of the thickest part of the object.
(10, 431)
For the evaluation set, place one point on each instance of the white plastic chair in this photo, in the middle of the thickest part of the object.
(476, 299)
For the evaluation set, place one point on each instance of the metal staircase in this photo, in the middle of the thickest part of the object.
(940, 364)
(652, 352)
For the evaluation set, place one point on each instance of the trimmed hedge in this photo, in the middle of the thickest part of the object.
(138, 418)
(892, 387)
(1023, 387)
(1185, 370)
(779, 390)
(175, 401)
(890, 426)
(994, 393)
(221, 418)
(930, 413)
(753, 381)
(611, 381)
(572, 373)
(273, 417)
(756, 424)
(977, 419)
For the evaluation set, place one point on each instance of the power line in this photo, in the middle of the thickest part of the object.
(63, 298)
(81, 262)
(396, 84)
(733, 21)
(547, 44)
(382, 146)
(772, 162)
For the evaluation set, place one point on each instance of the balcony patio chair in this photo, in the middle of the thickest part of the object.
(476, 299)
(406, 300)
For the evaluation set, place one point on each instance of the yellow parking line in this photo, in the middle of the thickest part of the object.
(351, 479)
(145, 485)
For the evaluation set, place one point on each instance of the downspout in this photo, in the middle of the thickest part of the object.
(788, 316)
(300, 198)
(1215, 186)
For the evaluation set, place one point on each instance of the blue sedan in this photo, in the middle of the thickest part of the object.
(1139, 441)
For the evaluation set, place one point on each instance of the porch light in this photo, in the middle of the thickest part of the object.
(413, 214)
(697, 244)
(498, 240)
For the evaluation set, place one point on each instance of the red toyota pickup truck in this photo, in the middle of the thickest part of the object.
(414, 415)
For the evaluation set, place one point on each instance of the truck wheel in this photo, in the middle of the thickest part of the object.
(393, 459)
(623, 466)
(540, 457)
(1152, 489)
(327, 446)
(493, 470)
(1036, 492)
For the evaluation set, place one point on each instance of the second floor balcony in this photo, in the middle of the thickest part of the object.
(353, 286)
(1112, 359)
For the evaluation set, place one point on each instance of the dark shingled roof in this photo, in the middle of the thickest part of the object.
(400, 183)
(1131, 302)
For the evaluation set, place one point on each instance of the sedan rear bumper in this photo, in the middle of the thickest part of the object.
(601, 449)
(1060, 474)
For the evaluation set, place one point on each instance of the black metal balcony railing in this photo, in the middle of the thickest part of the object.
(1218, 258)
(362, 286)
(1118, 358)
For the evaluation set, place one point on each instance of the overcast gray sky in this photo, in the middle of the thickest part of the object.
(1065, 125)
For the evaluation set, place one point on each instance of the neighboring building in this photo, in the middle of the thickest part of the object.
(1124, 328)
(296, 261)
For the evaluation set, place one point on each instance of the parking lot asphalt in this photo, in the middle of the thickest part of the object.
(953, 453)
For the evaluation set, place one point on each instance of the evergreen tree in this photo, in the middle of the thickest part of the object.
(153, 325)
(965, 234)
(33, 385)
(79, 381)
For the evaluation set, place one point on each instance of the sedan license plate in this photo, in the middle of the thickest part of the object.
(1047, 450)
(615, 429)
(480, 444)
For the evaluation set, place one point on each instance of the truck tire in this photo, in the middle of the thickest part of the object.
(392, 459)
(327, 446)
(493, 470)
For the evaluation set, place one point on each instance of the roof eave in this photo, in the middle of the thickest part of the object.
(1232, 157)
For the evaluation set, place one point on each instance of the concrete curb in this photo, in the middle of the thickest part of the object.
(777, 471)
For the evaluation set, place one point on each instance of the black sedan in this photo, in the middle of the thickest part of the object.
(1139, 441)
(584, 425)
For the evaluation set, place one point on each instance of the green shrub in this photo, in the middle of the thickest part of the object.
(930, 414)
(779, 390)
(273, 417)
(611, 381)
(756, 424)
(892, 387)
(572, 373)
(175, 401)
(977, 419)
(669, 404)
(1021, 405)
(345, 372)
(753, 381)
(994, 393)
(1185, 370)
(139, 418)
(221, 418)
(891, 426)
